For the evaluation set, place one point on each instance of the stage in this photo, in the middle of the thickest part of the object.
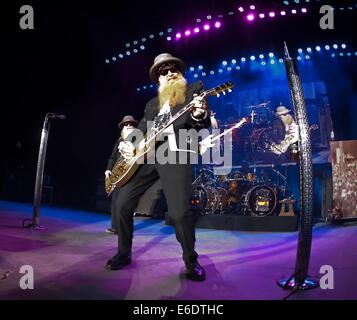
(69, 258)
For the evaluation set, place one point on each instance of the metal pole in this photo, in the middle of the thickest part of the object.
(39, 174)
(300, 279)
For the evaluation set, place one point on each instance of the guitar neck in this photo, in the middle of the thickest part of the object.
(239, 124)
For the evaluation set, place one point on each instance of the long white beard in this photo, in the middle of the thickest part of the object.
(173, 92)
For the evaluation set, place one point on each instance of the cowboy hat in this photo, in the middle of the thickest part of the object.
(282, 110)
(127, 119)
(162, 59)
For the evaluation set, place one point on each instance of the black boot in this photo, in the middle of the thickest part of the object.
(119, 261)
(195, 271)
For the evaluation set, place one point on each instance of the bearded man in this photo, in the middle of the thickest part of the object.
(173, 94)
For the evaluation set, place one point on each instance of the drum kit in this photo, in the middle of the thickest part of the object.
(241, 191)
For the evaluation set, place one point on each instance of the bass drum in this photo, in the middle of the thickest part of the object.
(261, 200)
(209, 199)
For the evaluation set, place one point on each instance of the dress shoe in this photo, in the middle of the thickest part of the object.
(118, 262)
(195, 271)
(111, 230)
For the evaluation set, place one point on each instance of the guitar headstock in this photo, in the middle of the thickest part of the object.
(219, 89)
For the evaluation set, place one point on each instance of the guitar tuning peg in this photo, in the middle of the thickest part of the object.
(218, 95)
(229, 90)
(224, 93)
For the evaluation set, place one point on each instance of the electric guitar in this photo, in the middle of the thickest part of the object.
(124, 169)
(208, 141)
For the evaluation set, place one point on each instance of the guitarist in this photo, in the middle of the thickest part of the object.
(126, 127)
(173, 94)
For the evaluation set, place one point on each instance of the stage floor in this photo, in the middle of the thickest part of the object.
(69, 258)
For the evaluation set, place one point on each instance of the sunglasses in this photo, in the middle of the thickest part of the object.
(165, 68)
(127, 124)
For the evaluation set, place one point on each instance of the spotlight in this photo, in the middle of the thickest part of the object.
(106, 61)
(283, 13)
(252, 7)
(192, 69)
(142, 47)
(217, 24)
(271, 54)
(224, 62)
(144, 87)
(220, 70)
(127, 45)
(335, 46)
(241, 9)
(230, 13)
(143, 39)
(151, 36)
(333, 55)
(343, 46)
(195, 75)
(178, 35)
(308, 49)
(209, 17)
(286, 3)
(169, 30)
(307, 57)
(261, 15)
(234, 61)
(187, 32)
(341, 54)
(300, 50)
(243, 59)
(237, 67)
(327, 47)
(200, 67)
(272, 61)
(151, 86)
(168, 38)
(196, 30)
(128, 53)
(293, 11)
(252, 58)
(263, 63)
(229, 69)
(303, 10)
(137, 89)
(161, 34)
(135, 50)
(272, 14)
(261, 56)
(348, 54)
(250, 17)
(299, 58)
(203, 74)
(206, 27)
(281, 60)
(318, 48)
(211, 72)
(135, 42)
(121, 56)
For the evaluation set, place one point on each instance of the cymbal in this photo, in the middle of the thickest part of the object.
(260, 105)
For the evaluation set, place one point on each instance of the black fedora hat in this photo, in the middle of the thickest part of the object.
(162, 59)
(127, 119)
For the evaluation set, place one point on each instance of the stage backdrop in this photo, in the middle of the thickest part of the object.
(344, 168)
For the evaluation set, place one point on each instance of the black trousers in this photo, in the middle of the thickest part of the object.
(176, 181)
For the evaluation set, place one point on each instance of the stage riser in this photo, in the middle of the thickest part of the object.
(244, 223)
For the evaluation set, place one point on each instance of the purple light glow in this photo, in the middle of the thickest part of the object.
(303, 10)
(217, 24)
(168, 38)
(250, 17)
(241, 9)
(178, 35)
(261, 15)
(206, 27)
(272, 14)
(187, 32)
(196, 30)
(283, 13)
(293, 11)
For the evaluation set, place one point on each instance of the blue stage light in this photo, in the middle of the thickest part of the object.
(333, 55)
(237, 67)
(195, 75)
(224, 62)
(128, 53)
(263, 63)
(341, 54)
(300, 50)
(114, 58)
(271, 54)
(137, 89)
(335, 46)
(318, 48)
(299, 58)
(349, 54)
(327, 47)
(234, 61)
(211, 72)
(252, 58)
(200, 67)
(243, 59)
(203, 74)
(343, 46)
(281, 60)
(261, 56)
(220, 70)
(121, 56)
(142, 47)
(229, 69)
(307, 57)
(192, 69)
(144, 87)
(106, 60)
(272, 61)
(308, 49)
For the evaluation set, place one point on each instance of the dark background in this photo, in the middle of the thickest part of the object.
(60, 67)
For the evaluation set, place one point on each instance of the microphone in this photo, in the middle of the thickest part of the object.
(56, 115)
